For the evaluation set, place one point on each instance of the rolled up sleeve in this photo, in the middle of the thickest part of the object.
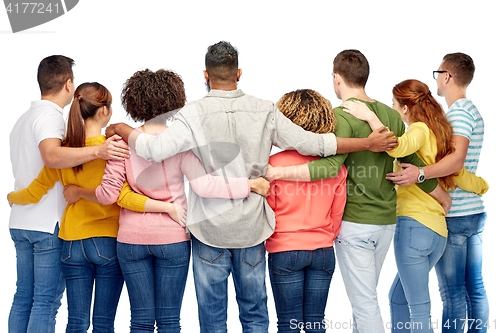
(175, 139)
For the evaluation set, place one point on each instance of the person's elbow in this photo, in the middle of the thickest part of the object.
(456, 167)
(51, 159)
(108, 197)
(458, 163)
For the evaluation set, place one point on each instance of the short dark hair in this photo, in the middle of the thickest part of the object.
(147, 95)
(221, 61)
(53, 73)
(461, 68)
(353, 66)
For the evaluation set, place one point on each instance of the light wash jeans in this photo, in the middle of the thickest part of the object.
(40, 283)
(459, 272)
(416, 249)
(361, 251)
(301, 281)
(90, 267)
(211, 269)
(155, 276)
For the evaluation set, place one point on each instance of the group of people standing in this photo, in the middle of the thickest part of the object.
(91, 213)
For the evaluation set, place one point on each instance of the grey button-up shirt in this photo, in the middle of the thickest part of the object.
(232, 134)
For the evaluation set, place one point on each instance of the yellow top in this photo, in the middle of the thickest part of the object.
(83, 219)
(414, 202)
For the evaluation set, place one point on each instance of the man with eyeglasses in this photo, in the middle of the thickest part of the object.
(459, 270)
(369, 218)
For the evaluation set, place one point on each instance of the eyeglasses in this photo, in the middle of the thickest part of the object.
(435, 74)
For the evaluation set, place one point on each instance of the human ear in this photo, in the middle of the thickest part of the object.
(238, 74)
(106, 110)
(337, 78)
(68, 85)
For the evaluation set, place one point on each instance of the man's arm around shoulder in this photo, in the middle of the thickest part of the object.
(448, 165)
(379, 140)
(175, 139)
(58, 157)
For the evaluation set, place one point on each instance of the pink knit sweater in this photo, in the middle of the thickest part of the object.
(161, 181)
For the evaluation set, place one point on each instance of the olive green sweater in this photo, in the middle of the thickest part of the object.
(371, 199)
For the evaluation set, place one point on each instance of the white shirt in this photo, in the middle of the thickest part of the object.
(44, 120)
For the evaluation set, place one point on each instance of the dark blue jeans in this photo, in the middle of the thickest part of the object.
(90, 266)
(211, 269)
(300, 281)
(459, 272)
(155, 276)
(40, 284)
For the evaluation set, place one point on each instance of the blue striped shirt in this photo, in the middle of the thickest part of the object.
(467, 121)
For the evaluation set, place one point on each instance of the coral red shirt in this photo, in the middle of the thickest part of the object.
(308, 214)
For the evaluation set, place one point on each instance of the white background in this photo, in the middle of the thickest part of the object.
(283, 45)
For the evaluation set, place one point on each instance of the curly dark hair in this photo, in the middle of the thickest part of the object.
(148, 94)
(308, 109)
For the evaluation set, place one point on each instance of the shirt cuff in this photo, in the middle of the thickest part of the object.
(329, 144)
(141, 147)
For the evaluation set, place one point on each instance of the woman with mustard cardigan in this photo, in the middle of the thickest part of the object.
(88, 230)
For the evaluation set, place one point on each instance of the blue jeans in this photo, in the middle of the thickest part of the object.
(300, 281)
(85, 262)
(416, 249)
(460, 278)
(40, 284)
(211, 269)
(155, 276)
(361, 251)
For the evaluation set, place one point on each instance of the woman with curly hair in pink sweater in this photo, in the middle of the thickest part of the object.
(153, 247)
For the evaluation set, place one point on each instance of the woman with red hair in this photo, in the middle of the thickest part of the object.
(420, 236)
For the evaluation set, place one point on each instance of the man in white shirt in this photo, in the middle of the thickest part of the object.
(35, 141)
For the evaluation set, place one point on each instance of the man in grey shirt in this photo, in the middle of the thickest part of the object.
(232, 134)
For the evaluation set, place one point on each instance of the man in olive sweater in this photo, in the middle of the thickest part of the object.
(370, 213)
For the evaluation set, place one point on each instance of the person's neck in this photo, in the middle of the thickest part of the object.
(153, 126)
(56, 99)
(223, 85)
(92, 128)
(358, 93)
(454, 95)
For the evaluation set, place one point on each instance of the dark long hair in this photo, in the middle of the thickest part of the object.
(89, 97)
(424, 108)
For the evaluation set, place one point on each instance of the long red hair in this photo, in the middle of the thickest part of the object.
(422, 107)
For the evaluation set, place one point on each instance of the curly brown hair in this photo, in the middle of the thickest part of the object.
(148, 94)
(308, 109)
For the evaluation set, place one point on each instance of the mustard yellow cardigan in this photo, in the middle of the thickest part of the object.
(82, 219)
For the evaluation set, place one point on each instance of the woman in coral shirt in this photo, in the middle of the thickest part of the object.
(308, 218)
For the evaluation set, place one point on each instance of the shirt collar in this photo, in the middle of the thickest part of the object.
(225, 93)
(47, 103)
